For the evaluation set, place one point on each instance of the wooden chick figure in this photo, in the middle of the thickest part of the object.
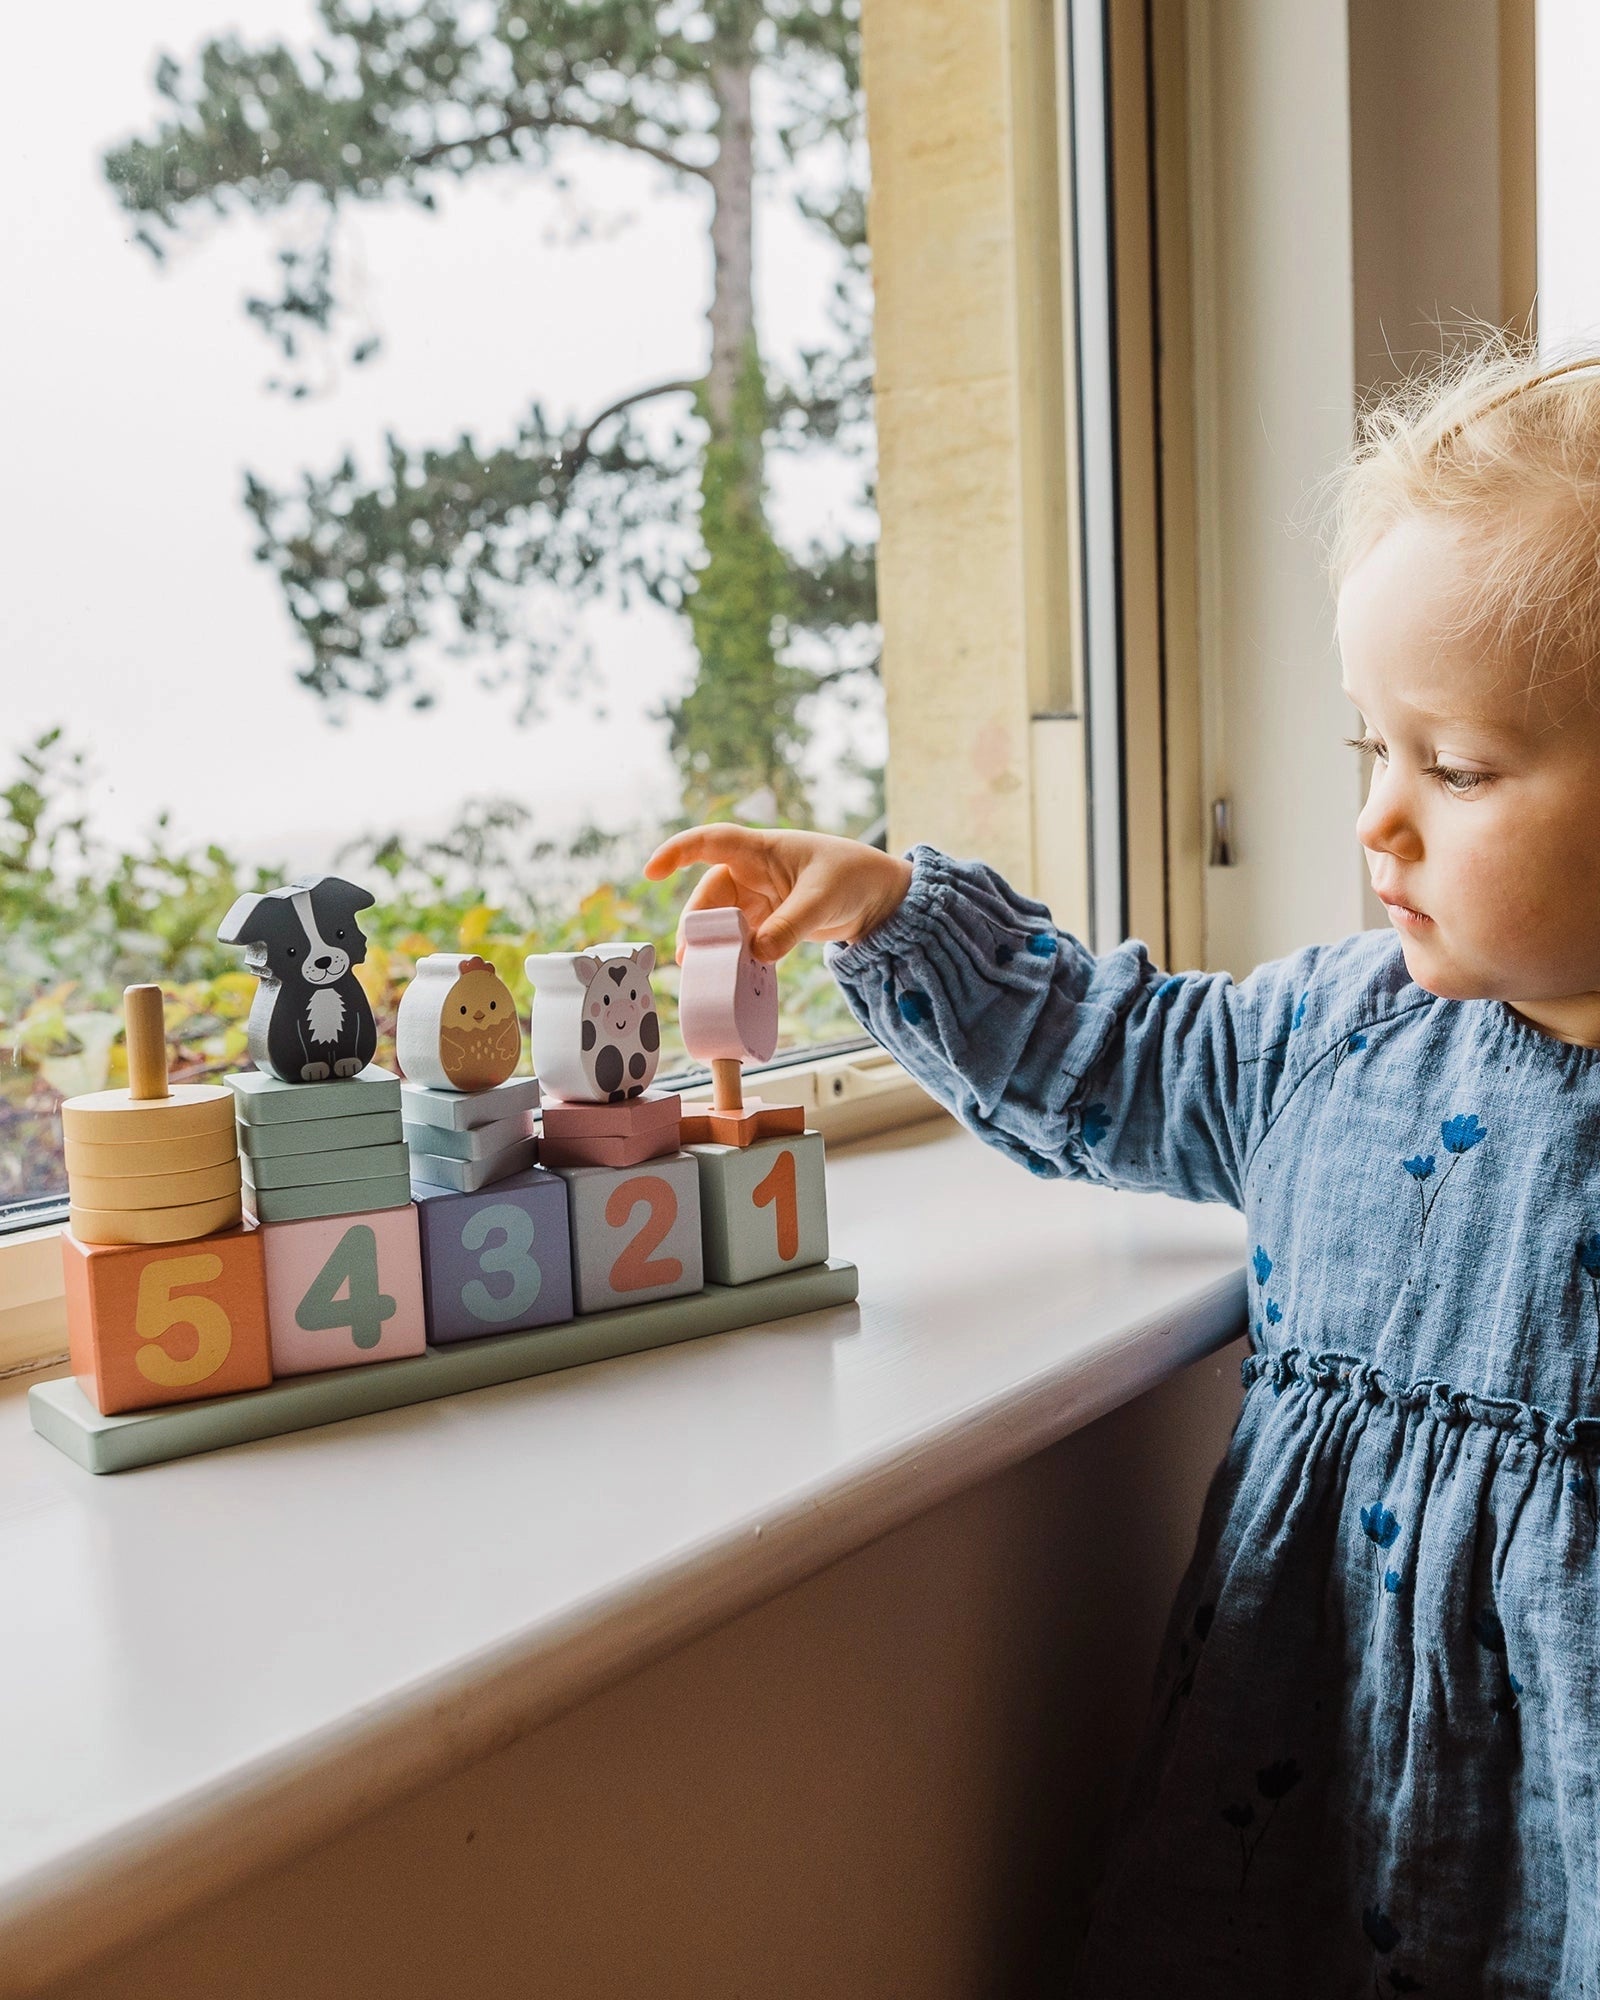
(457, 1028)
(728, 1016)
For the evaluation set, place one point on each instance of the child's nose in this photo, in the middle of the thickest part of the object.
(1385, 824)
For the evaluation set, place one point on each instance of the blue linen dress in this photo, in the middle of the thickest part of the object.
(1374, 1749)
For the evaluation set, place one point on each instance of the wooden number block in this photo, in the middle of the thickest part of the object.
(609, 1135)
(635, 1232)
(169, 1324)
(498, 1261)
(465, 1112)
(764, 1207)
(343, 1290)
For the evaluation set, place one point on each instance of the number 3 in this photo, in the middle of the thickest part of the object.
(157, 1311)
(509, 1257)
(635, 1269)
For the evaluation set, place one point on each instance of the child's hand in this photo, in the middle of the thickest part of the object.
(789, 885)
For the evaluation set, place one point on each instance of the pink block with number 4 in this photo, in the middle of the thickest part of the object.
(343, 1290)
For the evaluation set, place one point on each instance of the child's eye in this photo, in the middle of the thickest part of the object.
(1369, 746)
(1460, 784)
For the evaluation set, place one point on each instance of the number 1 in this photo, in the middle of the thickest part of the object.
(777, 1192)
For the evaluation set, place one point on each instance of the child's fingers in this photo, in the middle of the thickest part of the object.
(795, 918)
(703, 843)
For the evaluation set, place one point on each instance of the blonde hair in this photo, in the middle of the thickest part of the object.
(1506, 448)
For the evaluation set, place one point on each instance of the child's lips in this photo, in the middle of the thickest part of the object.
(1402, 914)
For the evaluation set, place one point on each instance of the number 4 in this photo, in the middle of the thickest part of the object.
(353, 1270)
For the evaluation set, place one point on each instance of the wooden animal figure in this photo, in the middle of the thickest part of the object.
(596, 1035)
(310, 1020)
(727, 998)
(457, 1028)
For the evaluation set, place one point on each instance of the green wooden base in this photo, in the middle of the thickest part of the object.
(62, 1413)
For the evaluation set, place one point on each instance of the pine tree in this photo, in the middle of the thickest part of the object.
(390, 103)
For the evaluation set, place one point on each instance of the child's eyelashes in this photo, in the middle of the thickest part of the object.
(1458, 783)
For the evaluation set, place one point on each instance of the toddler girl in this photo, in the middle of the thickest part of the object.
(1374, 1754)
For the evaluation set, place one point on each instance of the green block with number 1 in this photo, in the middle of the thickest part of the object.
(764, 1207)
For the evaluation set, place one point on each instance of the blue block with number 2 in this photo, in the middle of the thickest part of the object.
(497, 1261)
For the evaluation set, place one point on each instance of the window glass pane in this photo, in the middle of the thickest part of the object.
(1568, 56)
(447, 459)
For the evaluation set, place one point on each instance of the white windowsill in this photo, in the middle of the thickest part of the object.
(209, 1666)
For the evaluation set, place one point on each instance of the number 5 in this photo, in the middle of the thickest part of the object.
(157, 1311)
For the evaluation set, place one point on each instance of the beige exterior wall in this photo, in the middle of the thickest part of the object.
(974, 562)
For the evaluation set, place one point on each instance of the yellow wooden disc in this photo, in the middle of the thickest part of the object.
(153, 1225)
(153, 1190)
(152, 1156)
(112, 1117)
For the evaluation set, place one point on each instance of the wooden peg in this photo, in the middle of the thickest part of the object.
(727, 1084)
(145, 1025)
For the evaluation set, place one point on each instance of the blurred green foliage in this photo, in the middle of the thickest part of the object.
(79, 922)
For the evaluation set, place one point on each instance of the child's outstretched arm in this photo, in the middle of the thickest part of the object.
(1100, 1068)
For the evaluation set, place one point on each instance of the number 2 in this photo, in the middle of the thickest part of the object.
(508, 1257)
(635, 1269)
(777, 1192)
(156, 1310)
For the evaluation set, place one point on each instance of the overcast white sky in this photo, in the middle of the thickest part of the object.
(134, 611)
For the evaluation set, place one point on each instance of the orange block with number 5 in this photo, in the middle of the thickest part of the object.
(166, 1323)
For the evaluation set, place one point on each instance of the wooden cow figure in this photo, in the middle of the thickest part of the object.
(457, 1028)
(310, 1020)
(596, 1035)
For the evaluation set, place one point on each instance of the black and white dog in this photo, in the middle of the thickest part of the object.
(310, 1019)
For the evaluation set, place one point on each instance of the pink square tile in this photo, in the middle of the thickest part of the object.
(343, 1290)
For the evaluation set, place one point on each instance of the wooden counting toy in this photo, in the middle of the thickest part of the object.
(166, 1323)
(343, 1290)
(763, 1207)
(635, 1232)
(310, 1020)
(407, 1223)
(150, 1163)
(495, 1262)
(728, 1016)
(457, 1028)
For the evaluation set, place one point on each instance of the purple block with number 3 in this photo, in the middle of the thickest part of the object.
(498, 1261)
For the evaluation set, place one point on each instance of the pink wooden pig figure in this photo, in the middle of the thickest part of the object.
(728, 1015)
(727, 998)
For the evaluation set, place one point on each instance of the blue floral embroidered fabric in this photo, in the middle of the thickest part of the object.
(1373, 1764)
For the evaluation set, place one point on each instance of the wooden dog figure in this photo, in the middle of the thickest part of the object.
(310, 1019)
(596, 1035)
(457, 1028)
